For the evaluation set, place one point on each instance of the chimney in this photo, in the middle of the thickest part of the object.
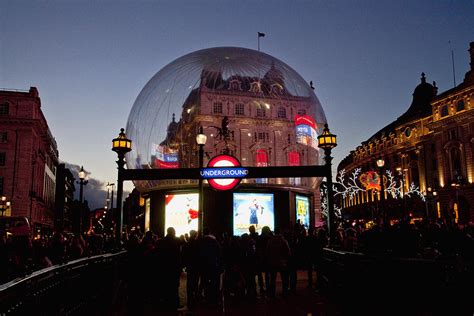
(34, 92)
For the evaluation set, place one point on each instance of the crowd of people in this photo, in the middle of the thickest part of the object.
(239, 267)
(426, 239)
(21, 255)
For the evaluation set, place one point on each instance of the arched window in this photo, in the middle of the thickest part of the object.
(460, 106)
(444, 111)
(456, 165)
(261, 160)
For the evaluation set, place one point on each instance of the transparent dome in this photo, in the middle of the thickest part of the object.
(249, 104)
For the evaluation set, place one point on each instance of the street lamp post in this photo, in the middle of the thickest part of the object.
(201, 139)
(82, 183)
(327, 142)
(381, 164)
(5, 205)
(121, 145)
(112, 195)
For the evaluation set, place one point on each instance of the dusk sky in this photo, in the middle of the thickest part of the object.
(90, 59)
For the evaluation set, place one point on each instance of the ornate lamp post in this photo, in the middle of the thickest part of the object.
(82, 183)
(201, 139)
(121, 145)
(328, 141)
(381, 164)
(5, 205)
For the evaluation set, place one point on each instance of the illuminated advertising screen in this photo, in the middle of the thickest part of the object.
(165, 157)
(306, 131)
(181, 212)
(253, 209)
(302, 210)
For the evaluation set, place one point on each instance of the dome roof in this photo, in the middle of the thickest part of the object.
(233, 75)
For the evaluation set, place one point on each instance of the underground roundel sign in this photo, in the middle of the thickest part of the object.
(223, 172)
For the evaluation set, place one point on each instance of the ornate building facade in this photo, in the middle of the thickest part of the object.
(28, 157)
(428, 154)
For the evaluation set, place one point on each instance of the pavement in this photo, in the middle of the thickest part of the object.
(304, 301)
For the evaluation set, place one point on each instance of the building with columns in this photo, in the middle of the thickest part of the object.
(28, 158)
(428, 153)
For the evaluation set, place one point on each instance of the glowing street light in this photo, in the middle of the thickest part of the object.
(201, 139)
(121, 145)
(381, 164)
(327, 142)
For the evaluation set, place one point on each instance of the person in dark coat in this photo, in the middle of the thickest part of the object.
(210, 258)
(169, 251)
(191, 263)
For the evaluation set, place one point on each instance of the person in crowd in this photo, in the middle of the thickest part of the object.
(210, 258)
(169, 250)
(260, 246)
(191, 263)
(277, 255)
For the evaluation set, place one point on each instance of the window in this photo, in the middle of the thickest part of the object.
(255, 87)
(444, 111)
(239, 109)
(260, 112)
(235, 85)
(263, 137)
(282, 112)
(4, 109)
(2, 159)
(3, 137)
(453, 134)
(460, 106)
(217, 108)
(301, 112)
(455, 159)
(408, 132)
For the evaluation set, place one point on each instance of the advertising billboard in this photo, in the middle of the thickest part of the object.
(165, 157)
(306, 131)
(253, 209)
(181, 212)
(302, 210)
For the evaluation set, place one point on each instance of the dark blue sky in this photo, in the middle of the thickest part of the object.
(90, 59)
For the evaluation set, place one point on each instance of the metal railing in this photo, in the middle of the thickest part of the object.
(84, 286)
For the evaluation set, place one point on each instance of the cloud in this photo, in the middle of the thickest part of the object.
(95, 191)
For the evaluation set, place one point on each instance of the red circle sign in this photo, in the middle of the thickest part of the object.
(224, 161)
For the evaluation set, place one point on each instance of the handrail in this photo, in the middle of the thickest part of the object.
(56, 267)
(95, 278)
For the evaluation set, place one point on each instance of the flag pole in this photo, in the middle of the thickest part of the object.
(452, 62)
(259, 34)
